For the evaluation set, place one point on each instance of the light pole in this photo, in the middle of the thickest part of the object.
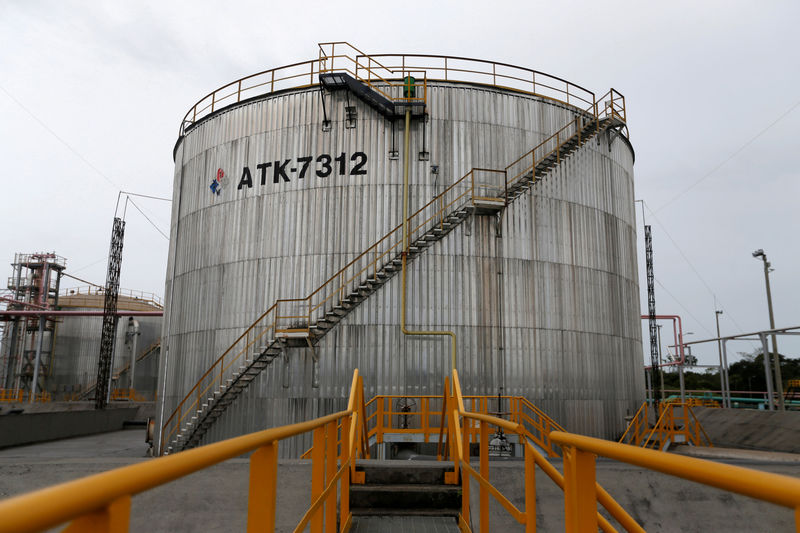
(777, 361)
(721, 365)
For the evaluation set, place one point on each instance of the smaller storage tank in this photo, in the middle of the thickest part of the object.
(77, 344)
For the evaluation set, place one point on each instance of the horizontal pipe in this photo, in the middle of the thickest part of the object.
(45, 312)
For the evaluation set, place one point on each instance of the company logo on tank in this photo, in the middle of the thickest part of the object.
(308, 167)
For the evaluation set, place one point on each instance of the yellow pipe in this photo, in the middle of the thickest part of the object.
(404, 253)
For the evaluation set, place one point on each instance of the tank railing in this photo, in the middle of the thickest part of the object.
(381, 70)
(296, 316)
(95, 290)
(354, 59)
(460, 424)
(492, 73)
(257, 335)
(102, 502)
(579, 467)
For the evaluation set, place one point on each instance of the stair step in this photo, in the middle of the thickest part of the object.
(411, 496)
(403, 472)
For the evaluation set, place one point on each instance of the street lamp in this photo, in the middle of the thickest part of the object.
(721, 366)
(777, 362)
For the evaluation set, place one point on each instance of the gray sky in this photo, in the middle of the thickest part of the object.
(711, 91)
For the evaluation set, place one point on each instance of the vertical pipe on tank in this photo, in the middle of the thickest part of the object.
(404, 253)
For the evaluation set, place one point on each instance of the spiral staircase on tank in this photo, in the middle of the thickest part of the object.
(305, 321)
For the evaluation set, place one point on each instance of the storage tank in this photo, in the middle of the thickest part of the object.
(77, 344)
(284, 177)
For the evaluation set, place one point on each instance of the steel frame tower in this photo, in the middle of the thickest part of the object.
(651, 309)
(109, 331)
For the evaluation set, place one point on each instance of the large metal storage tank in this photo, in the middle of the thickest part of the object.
(543, 300)
(77, 344)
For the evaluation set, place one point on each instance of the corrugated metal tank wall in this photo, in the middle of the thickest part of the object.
(549, 310)
(78, 347)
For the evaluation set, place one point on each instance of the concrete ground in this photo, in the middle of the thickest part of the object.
(215, 500)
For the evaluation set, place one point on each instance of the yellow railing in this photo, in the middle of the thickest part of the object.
(423, 416)
(294, 316)
(384, 73)
(102, 502)
(12, 395)
(676, 419)
(126, 395)
(20, 395)
(459, 425)
(580, 501)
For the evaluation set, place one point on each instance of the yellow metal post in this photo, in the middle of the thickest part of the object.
(344, 499)
(484, 494)
(330, 471)
(261, 496)
(464, 453)
(317, 475)
(115, 518)
(530, 489)
(580, 490)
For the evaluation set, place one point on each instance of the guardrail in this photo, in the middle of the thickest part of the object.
(579, 474)
(384, 73)
(102, 502)
(21, 395)
(422, 415)
(675, 419)
(459, 423)
(91, 290)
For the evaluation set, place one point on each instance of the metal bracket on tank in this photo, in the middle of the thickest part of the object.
(285, 357)
(315, 365)
(326, 123)
(468, 224)
(498, 223)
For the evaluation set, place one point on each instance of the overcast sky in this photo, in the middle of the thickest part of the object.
(711, 90)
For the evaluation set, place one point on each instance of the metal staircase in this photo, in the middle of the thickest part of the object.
(305, 321)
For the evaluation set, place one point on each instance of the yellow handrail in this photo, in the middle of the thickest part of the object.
(459, 435)
(579, 460)
(96, 502)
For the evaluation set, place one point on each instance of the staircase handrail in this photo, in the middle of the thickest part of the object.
(458, 432)
(356, 59)
(147, 351)
(301, 322)
(103, 501)
(638, 424)
(659, 428)
(220, 365)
